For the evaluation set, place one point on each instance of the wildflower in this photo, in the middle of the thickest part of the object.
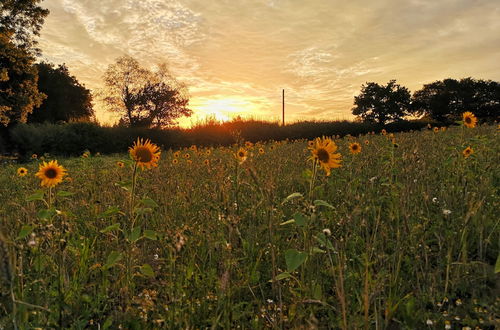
(355, 148)
(120, 164)
(323, 153)
(429, 126)
(435, 200)
(86, 154)
(469, 119)
(145, 153)
(22, 171)
(34, 156)
(458, 302)
(327, 232)
(241, 155)
(467, 152)
(429, 322)
(51, 173)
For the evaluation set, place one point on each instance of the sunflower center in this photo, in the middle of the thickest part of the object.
(51, 173)
(468, 120)
(355, 147)
(241, 154)
(143, 155)
(323, 155)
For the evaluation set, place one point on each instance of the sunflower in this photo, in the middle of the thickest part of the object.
(208, 152)
(261, 151)
(443, 128)
(51, 173)
(175, 161)
(177, 153)
(310, 144)
(206, 162)
(22, 171)
(193, 147)
(248, 144)
(189, 161)
(384, 132)
(187, 156)
(323, 153)
(145, 153)
(241, 155)
(355, 148)
(467, 152)
(120, 164)
(469, 119)
(436, 129)
(34, 156)
(367, 142)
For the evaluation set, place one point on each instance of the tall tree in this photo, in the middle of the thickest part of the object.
(20, 22)
(143, 97)
(447, 99)
(22, 19)
(18, 83)
(67, 100)
(381, 104)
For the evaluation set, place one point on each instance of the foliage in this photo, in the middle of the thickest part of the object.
(75, 138)
(398, 237)
(67, 100)
(382, 104)
(18, 82)
(144, 98)
(22, 20)
(447, 99)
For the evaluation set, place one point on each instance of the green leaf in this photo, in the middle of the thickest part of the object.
(317, 250)
(287, 222)
(497, 264)
(148, 202)
(151, 234)
(135, 234)
(300, 219)
(142, 210)
(115, 226)
(294, 259)
(108, 323)
(25, 231)
(110, 211)
(147, 270)
(320, 202)
(63, 193)
(324, 241)
(38, 196)
(292, 196)
(282, 276)
(307, 174)
(113, 258)
(46, 213)
(125, 185)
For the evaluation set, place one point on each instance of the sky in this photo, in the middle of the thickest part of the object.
(236, 56)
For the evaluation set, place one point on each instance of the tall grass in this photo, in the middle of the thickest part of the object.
(403, 235)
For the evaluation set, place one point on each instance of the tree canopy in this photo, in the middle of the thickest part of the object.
(143, 97)
(67, 100)
(381, 104)
(449, 98)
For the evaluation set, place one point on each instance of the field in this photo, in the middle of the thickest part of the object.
(405, 235)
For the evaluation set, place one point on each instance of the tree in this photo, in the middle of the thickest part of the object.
(20, 22)
(67, 100)
(449, 98)
(22, 19)
(377, 103)
(143, 97)
(18, 83)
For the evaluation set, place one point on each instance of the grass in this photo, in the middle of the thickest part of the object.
(403, 235)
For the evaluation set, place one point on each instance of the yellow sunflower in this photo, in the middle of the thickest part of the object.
(22, 171)
(248, 144)
(187, 156)
(177, 153)
(436, 129)
(241, 155)
(51, 173)
(467, 152)
(193, 148)
(208, 152)
(355, 148)
(324, 153)
(261, 151)
(145, 153)
(34, 156)
(120, 164)
(367, 142)
(469, 119)
(206, 162)
(384, 132)
(310, 144)
(443, 128)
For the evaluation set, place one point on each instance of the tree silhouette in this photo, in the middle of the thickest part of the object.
(381, 104)
(143, 97)
(67, 100)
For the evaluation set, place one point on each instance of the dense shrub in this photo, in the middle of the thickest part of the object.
(75, 138)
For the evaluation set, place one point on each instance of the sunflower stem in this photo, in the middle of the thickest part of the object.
(132, 196)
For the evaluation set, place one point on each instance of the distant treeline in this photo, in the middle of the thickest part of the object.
(73, 139)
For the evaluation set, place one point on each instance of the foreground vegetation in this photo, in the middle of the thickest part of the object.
(404, 235)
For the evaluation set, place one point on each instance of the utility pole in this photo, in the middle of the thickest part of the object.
(283, 114)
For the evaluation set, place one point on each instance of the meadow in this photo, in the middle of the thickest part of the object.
(404, 235)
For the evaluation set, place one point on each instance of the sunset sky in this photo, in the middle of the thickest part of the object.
(237, 55)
